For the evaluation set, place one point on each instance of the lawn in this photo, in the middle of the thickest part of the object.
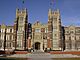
(52, 59)
(3, 58)
(66, 58)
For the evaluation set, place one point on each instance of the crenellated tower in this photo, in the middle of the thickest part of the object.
(20, 26)
(54, 29)
(57, 36)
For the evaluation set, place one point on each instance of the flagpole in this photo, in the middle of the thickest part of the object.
(23, 4)
(51, 4)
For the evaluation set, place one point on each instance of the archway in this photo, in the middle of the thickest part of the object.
(37, 46)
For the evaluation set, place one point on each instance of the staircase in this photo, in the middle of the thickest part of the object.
(36, 55)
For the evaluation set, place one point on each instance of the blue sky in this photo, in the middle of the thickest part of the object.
(38, 10)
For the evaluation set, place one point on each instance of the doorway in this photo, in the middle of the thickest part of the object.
(37, 46)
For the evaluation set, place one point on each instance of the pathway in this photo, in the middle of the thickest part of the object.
(39, 55)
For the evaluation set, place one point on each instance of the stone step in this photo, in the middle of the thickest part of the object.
(39, 55)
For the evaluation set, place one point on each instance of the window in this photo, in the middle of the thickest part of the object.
(10, 37)
(72, 31)
(2, 37)
(46, 30)
(54, 27)
(66, 31)
(55, 35)
(6, 37)
(19, 44)
(77, 31)
(44, 36)
(10, 44)
(37, 30)
(10, 30)
(54, 30)
(55, 19)
(2, 30)
(21, 20)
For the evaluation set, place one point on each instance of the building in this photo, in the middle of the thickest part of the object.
(72, 38)
(39, 36)
(6, 36)
(50, 36)
(54, 29)
(20, 29)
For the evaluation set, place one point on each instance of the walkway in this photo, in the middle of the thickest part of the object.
(39, 55)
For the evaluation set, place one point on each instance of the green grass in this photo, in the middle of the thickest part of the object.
(3, 58)
(66, 58)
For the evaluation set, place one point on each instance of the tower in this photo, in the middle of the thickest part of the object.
(20, 28)
(54, 29)
(57, 36)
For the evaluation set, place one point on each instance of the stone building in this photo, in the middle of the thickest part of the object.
(37, 36)
(20, 29)
(7, 37)
(72, 38)
(54, 29)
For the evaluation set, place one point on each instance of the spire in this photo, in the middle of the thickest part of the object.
(23, 1)
(50, 9)
(50, 13)
(51, 4)
(20, 3)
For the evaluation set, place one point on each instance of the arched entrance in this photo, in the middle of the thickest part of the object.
(37, 46)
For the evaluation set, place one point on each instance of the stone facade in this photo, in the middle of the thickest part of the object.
(21, 23)
(51, 36)
(72, 37)
(7, 37)
(39, 35)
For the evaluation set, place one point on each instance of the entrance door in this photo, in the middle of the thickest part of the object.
(37, 46)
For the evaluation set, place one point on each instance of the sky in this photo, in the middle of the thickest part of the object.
(38, 11)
